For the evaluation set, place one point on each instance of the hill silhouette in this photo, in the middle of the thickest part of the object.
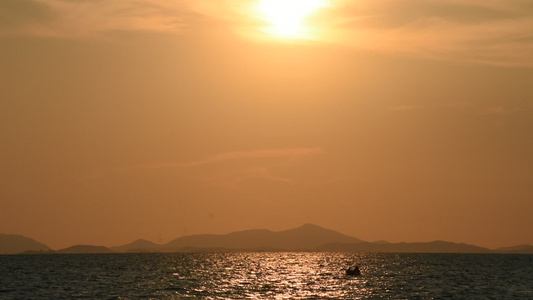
(78, 249)
(14, 244)
(522, 249)
(306, 237)
(139, 245)
(430, 247)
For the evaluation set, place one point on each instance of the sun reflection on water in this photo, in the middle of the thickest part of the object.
(303, 275)
(288, 276)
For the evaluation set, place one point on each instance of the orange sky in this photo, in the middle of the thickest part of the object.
(385, 120)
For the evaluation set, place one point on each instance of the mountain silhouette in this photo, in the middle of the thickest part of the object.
(14, 244)
(78, 249)
(139, 245)
(523, 249)
(306, 237)
(430, 247)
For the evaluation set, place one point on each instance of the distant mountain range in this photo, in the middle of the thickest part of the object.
(308, 237)
(12, 244)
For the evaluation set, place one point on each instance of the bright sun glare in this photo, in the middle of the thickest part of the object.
(287, 18)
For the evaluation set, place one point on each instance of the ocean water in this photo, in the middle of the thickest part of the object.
(263, 275)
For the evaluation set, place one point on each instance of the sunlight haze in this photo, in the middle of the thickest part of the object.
(404, 121)
(288, 19)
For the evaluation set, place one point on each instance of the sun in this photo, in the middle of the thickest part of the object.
(287, 18)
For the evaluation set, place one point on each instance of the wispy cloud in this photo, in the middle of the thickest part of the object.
(238, 180)
(229, 156)
(404, 107)
(502, 111)
(498, 32)
(266, 153)
(64, 18)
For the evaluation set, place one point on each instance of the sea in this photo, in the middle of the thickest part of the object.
(266, 275)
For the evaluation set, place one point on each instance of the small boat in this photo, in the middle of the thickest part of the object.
(353, 271)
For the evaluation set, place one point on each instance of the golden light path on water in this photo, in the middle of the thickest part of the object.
(277, 276)
(289, 19)
(266, 275)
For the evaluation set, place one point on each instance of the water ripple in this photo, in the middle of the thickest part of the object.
(266, 276)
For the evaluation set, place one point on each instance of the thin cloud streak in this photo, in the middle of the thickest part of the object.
(237, 181)
(267, 153)
(498, 32)
(404, 107)
(229, 156)
(91, 18)
(486, 32)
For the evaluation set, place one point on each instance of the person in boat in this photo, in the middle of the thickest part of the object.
(354, 271)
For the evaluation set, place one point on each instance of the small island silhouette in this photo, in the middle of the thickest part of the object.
(308, 237)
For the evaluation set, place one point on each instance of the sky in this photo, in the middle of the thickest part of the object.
(397, 120)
